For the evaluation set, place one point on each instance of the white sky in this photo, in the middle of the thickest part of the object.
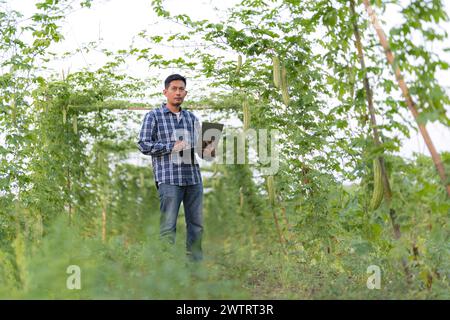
(117, 21)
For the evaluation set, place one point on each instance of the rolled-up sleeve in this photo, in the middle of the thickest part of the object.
(148, 143)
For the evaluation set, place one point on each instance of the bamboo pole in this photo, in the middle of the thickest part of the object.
(405, 91)
(103, 220)
(290, 234)
(376, 135)
(110, 105)
(125, 105)
(68, 176)
(280, 233)
(369, 98)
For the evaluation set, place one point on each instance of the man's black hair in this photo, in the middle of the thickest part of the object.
(173, 77)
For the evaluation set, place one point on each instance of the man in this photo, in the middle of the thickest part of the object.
(169, 134)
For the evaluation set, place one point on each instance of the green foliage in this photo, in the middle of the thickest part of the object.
(336, 239)
(70, 196)
(114, 270)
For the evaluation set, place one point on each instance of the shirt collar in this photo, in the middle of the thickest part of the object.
(165, 109)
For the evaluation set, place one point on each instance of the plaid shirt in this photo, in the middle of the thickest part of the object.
(159, 132)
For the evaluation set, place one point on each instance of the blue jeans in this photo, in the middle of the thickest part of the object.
(170, 197)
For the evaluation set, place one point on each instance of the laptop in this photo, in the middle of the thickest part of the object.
(211, 131)
(211, 134)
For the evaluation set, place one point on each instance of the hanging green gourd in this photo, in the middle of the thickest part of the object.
(276, 71)
(351, 79)
(239, 64)
(75, 123)
(64, 115)
(13, 110)
(247, 115)
(284, 86)
(377, 195)
(100, 159)
(241, 198)
(271, 189)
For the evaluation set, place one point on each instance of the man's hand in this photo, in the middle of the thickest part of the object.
(179, 145)
(208, 152)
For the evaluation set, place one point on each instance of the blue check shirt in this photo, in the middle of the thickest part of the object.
(160, 129)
